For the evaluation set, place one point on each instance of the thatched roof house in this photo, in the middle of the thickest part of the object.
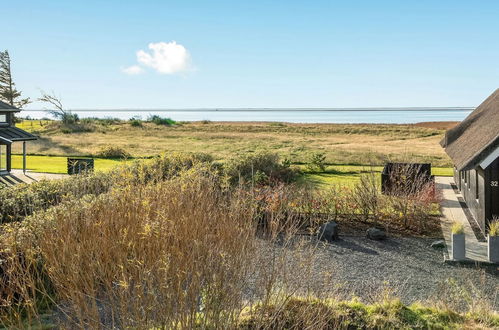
(476, 137)
(473, 146)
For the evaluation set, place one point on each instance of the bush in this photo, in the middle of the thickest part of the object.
(122, 250)
(77, 128)
(367, 196)
(259, 168)
(135, 122)
(317, 162)
(69, 118)
(161, 121)
(113, 152)
(20, 201)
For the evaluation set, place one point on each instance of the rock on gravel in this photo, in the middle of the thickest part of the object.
(440, 244)
(376, 234)
(328, 232)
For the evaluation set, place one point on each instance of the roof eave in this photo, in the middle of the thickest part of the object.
(25, 139)
(5, 141)
(10, 110)
(478, 158)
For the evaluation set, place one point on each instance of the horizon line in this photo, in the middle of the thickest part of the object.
(263, 109)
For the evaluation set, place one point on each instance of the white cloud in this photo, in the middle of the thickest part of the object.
(132, 70)
(165, 57)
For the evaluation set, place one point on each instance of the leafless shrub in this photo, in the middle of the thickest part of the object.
(367, 196)
(411, 195)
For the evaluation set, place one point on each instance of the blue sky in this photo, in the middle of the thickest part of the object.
(254, 53)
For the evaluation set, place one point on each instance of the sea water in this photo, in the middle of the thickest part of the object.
(378, 115)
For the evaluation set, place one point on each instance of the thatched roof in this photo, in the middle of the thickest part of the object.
(475, 137)
(7, 107)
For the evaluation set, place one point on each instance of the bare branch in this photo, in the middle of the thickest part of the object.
(51, 99)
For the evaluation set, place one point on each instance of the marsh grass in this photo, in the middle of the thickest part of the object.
(341, 143)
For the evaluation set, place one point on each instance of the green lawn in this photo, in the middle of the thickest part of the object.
(350, 174)
(338, 174)
(57, 164)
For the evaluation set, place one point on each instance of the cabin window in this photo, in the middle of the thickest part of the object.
(3, 118)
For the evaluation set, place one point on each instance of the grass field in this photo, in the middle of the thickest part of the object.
(57, 164)
(341, 143)
(350, 174)
(337, 174)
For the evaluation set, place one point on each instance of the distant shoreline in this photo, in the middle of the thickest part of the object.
(272, 109)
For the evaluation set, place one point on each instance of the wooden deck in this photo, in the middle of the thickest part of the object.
(18, 177)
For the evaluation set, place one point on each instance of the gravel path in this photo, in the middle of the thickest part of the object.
(408, 267)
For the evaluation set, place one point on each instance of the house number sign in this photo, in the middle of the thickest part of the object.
(494, 183)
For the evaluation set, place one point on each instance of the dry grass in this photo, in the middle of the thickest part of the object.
(341, 143)
(139, 256)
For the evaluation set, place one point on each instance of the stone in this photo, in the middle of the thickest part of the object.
(376, 234)
(328, 232)
(440, 244)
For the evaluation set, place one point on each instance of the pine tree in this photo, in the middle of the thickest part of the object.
(8, 91)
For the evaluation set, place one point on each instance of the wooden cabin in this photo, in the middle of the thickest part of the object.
(10, 134)
(473, 146)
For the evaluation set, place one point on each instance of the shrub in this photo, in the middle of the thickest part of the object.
(135, 122)
(79, 127)
(20, 201)
(411, 196)
(367, 196)
(149, 254)
(457, 228)
(69, 118)
(108, 121)
(113, 152)
(259, 168)
(317, 162)
(161, 121)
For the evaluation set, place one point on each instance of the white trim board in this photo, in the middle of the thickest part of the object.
(490, 158)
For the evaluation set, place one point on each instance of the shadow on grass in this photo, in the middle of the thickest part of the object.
(46, 143)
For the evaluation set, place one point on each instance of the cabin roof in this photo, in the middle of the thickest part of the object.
(470, 142)
(7, 107)
(12, 134)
